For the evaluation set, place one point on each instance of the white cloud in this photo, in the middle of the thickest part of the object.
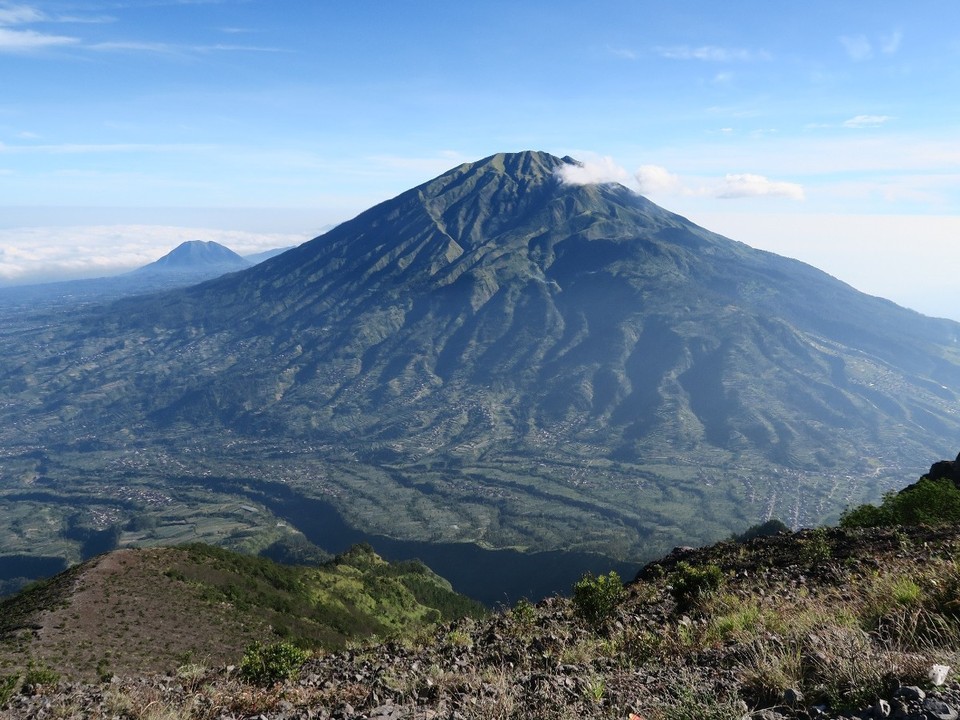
(866, 121)
(38, 254)
(132, 46)
(747, 185)
(858, 47)
(85, 19)
(11, 14)
(654, 179)
(593, 171)
(871, 153)
(23, 41)
(19, 41)
(889, 44)
(169, 49)
(623, 53)
(712, 53)
(241, 48)
(19, 14)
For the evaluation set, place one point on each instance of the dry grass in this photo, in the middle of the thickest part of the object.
(126, 617)
(845, 636)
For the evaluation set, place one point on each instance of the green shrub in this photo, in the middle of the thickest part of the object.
(866, 516)
(941, 596)
(8, 685)
(731, 617)
(38, 674)
(524, 613)
(906, 592)
(815, 548)
(929, 502)
(269, 664)
(690, 700)
(773, 526)
(595, 598)
(458, 639)
(691, 583)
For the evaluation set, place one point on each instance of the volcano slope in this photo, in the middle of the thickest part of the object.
(496, 357)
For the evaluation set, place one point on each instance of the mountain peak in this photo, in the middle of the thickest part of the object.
(515, 173)
(524, 164)
(200, 252)
(197, 256)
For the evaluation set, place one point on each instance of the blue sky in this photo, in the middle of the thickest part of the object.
(826, 130)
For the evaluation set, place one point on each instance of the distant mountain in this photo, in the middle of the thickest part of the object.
(501, 358)
(204, 259)
(259, 257)
(190, 262)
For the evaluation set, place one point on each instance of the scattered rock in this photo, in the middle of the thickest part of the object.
(935, 709)
(764, 715)
(553, 661)
(792, 697)
(910, 692)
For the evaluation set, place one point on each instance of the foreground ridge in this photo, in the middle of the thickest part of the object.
(827, 623)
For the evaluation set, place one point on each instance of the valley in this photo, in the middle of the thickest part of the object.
(257, 498)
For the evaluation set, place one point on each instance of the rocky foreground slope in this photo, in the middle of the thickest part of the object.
(826, 623)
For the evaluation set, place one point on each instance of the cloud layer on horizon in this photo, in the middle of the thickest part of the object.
(45, 254)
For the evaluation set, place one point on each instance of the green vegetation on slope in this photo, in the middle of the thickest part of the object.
(354, 596)
(834, 617)
(139, 610)
(928, 502)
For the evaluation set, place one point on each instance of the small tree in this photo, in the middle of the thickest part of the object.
(773, 526)
(691, 583)
(595, 598)
(269, 664)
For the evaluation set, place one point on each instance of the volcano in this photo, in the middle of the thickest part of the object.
(501, 357)
(203, 259)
